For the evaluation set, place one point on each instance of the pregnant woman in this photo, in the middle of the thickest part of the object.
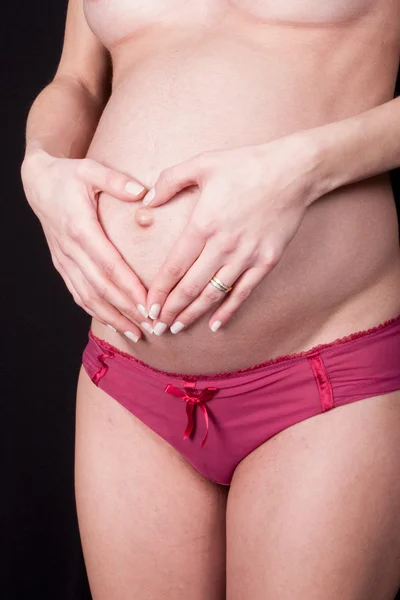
(212, 182)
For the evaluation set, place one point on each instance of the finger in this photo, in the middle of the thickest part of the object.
(114, 320)
(70, 286)
(209, 297)
(55, 252)
(104, 179)
(242, 289)
(183, 254)
(215, 254)
(101, 262)
(78, 300)
(174, 179)
(95, 306)
(66, 279)
(105, 289)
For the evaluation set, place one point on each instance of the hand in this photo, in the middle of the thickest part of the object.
(63, 194)
(252, 201)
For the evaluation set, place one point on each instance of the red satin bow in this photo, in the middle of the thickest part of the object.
(192, 397)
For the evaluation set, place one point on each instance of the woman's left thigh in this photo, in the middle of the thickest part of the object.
(315, 511)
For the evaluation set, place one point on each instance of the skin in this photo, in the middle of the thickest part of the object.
(63, 194)
(144, 217)
(259, 230)
(62, 185)
(292, 308)
(212, 81)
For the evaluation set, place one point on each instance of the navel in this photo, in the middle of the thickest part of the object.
(144, 217)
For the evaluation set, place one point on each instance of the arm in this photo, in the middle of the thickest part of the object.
(64, 116)
(62, 186)
(355, 148)
(321, 159)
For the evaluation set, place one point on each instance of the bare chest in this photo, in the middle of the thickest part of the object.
(113, 20)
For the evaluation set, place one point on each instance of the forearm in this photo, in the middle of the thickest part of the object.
(355, 148)
(63, 119)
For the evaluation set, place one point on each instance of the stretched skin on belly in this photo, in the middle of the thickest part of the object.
(203, 87)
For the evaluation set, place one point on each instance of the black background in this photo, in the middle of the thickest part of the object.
(44, 334)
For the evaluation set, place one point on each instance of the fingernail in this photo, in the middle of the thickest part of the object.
(131, 336)
(149, 196)
(160, 328)
(176, 327)
(142, 310)
(112, 328)
(154, 311)
(147, 327)
(133, 188)
(216, 325)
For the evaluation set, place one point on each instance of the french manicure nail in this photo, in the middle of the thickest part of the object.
(142, 310)
(147, 327)
(215, 326)
(160, 328)
(112, 328)
(176, 327)
(149, 196)
(154, 311)
(133, 188)
(131, 336)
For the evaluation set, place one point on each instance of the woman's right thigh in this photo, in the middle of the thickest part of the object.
(151, 526)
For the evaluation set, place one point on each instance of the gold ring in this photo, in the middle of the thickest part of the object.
(217, 283)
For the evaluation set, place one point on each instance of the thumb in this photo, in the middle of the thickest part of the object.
(173, 180)
(117, 184)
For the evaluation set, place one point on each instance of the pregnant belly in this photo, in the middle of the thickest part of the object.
(344, 258)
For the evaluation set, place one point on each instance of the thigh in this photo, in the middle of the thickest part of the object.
(151, 526)
(315, 511)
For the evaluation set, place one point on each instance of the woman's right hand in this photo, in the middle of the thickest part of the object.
(63, 194)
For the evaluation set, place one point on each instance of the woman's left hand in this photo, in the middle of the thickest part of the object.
(252, 201)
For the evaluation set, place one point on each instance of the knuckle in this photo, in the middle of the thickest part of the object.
(78, 300)
(205, 228)
(74, 230)
(229, 242)
(213, 295)
(268, 259)
(88, 297)
(243, 293)
(190, 291)
(66, 246)
(267, 254)
(159, 292)
(102, 293)
(175, 271)
(108, 268)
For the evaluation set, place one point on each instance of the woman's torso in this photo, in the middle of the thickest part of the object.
(217, 74)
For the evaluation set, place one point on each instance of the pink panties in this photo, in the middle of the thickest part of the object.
(216, 420)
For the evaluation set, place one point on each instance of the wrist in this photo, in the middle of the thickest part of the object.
(35, 162)
(34, 159)
(314, 147)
